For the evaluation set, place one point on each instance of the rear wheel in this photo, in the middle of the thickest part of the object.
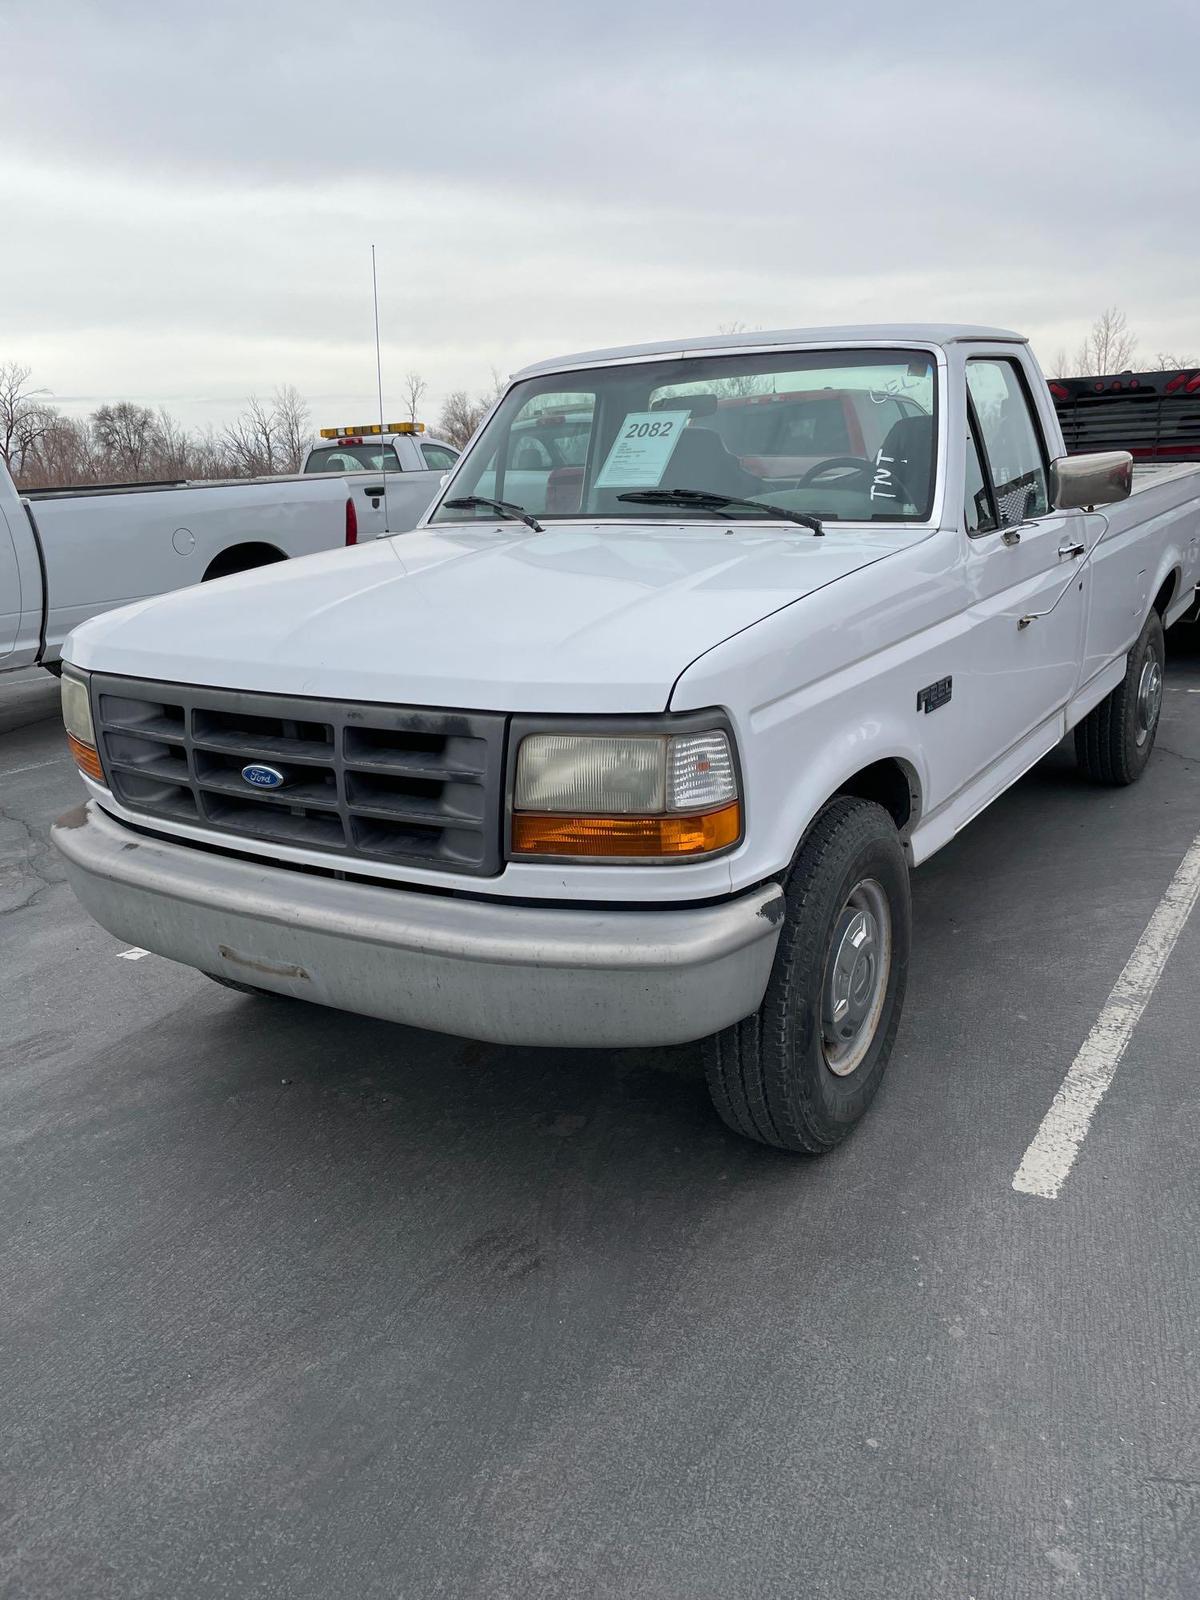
(1113, 742)
(801, 1072)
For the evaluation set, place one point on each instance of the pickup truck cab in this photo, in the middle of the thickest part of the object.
(70, 554)
(393, 471)
(639, 746)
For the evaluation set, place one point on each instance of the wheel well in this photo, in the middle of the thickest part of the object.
(242, 558)
(1166, 594)
(890, 784)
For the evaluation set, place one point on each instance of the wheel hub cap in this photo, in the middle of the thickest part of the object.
(856, 972)
(1149, 697)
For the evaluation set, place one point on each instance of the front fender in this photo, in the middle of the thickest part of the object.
(800, 749)
(822, 690)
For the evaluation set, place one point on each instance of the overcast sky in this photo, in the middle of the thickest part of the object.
(189, 193)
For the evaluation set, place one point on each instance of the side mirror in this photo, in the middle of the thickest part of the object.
(1077, 483)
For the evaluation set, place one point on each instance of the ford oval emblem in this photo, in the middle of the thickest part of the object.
(262, 777)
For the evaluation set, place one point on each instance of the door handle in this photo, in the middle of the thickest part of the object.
(1067, 551)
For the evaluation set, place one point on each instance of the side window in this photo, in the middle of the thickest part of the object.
(978, 498)
(1010, 439)
(438, 458)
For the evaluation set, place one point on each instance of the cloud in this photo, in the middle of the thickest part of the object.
(190, 197)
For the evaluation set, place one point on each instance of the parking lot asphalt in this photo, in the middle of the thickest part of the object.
(297, 1304)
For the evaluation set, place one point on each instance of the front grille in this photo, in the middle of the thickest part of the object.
(402, 784)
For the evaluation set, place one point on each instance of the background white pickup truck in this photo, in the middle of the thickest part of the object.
(69, 554)
(393, 470)
(636, 740)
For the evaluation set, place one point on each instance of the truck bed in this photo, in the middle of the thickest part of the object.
(1153, 474)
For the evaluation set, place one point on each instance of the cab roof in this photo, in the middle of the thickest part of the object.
(932, 334)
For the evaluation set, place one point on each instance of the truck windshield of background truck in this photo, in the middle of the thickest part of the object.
(844, 435)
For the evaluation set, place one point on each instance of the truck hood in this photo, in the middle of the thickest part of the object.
(602, 618)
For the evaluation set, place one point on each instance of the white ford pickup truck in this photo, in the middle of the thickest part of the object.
(645, 753)
(69, 554)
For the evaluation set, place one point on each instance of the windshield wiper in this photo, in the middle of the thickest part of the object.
(704, 501)
(468, 502)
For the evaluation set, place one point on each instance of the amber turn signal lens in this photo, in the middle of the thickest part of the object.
(534, 835)
(87, 758)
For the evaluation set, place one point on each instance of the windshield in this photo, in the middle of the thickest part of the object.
(842, 435)
(353, 458)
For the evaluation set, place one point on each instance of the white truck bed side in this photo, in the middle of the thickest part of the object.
(105, 549)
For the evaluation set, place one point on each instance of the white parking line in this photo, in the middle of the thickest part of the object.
(1050, 1157)
(35, 766)
(132, 954)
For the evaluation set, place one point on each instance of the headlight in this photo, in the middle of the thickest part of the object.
(77, 719)
(639, 795)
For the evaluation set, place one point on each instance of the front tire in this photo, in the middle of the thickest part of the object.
(801, 1072)
(1113, 743)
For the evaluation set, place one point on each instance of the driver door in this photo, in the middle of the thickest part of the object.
(1024, 573)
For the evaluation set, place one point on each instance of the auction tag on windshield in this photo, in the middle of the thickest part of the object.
(642, 449)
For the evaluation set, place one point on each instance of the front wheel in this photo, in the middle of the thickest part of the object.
(1113, 742)
(801, 1072)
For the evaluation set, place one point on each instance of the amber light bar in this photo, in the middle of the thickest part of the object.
(373, 428)
(535, 835)
(87, 758)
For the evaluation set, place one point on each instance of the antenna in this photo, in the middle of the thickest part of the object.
(379, 381)
(378, 358)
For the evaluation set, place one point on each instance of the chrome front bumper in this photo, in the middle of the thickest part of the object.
(515, 974)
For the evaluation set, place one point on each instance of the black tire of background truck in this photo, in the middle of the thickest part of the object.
(246, 988)
(242, 558)
(769, 1076)
(1112, 744)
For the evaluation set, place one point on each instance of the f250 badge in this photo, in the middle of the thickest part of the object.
(934, 695)
(259, 776)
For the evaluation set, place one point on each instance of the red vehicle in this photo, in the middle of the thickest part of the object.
(786, 435)
(1153, 415)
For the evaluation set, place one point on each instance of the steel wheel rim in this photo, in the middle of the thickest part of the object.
(858, 962)
(1149, 697)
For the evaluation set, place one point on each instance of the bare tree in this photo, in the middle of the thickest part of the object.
(127, 435)
(252, 441)
(266, 438)
(1059, 367)
(173, 446)
(1166, 362)
(207, 456)
(293, 428)
(414, 388)
(23, 416)
(460, 417)
(122, 442)
(1109, 345)
(62, 455)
